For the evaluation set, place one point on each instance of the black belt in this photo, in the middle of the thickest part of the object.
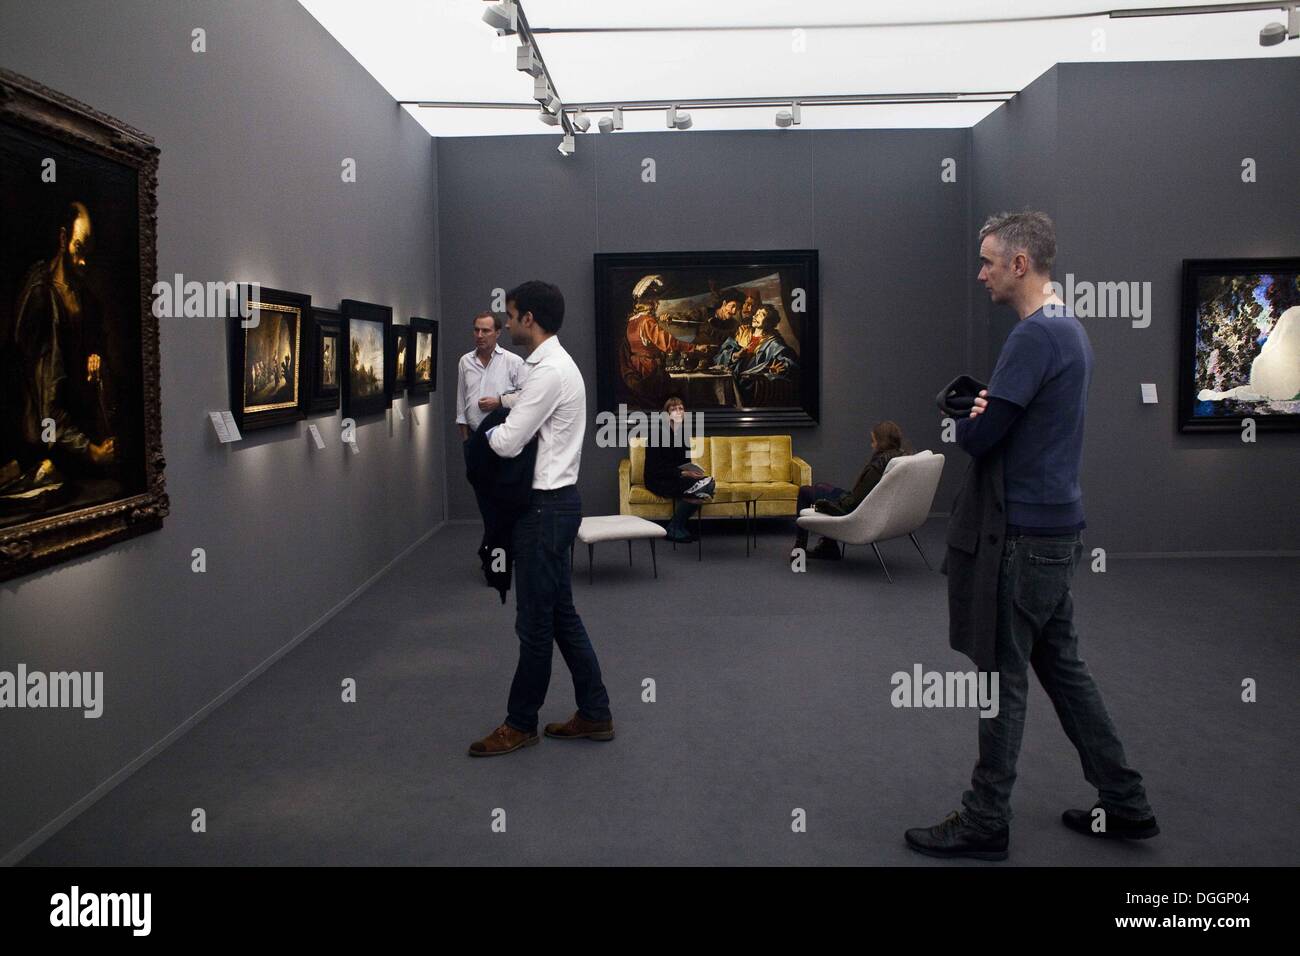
(553, 492)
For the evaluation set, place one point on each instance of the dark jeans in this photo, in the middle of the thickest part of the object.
(1036, 627)
(544, 611)
(478, 496)
(807, 495)
(681, 515)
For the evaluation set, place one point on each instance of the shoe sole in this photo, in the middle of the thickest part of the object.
(992, 855)
(1109, 835)
(501, 753)
(595, 735)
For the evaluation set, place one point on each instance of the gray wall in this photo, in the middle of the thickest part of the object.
(894, 257)
(252, 134)
(1140, 165)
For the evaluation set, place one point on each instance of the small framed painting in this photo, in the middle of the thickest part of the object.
(323, 380)
(1240, 345)
(267, 386)
(424, 370)
(399, 355)
(364, 334)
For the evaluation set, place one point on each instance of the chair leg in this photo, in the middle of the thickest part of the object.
(918, 548)
(591, 555)
(844, 548)
(629, 552)
(882, 563)
(653, 562)
(699, 533)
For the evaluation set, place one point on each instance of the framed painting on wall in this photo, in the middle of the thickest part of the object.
(267, 384)
(735, 334)
(323, 367)
(364, 334)
(81, 460)
(1240, 349)
(424, 342)
(399, 357)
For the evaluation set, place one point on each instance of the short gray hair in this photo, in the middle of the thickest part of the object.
(1030, 232)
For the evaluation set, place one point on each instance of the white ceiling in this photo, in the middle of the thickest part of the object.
(441, 50)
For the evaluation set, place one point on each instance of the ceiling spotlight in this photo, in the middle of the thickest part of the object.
(502, 17)
(784, 118)
(581, 121)
(542, 93)
(566, 145)
(1275, 33)
(549, 118)
(526, 61)
(678, 120)
(611, 122)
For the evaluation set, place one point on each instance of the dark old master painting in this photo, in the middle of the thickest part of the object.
(81, 462)
(735, 334)
(268, 385)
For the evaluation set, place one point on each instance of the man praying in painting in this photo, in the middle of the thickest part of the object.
(52, 368)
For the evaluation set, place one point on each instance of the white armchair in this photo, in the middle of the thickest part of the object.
(897, 506)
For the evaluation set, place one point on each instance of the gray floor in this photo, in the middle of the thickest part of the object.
(773, 692)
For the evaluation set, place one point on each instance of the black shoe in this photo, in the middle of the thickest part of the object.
(681, 537)
(955, 837)
(1117, 828)
(826, 550)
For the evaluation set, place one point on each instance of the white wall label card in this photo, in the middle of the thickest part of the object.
(231, 427)
(1149, 393)
(223, 423)
(315, 435)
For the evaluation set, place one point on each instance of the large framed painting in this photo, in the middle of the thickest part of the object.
(81, 460)
(267, 384)
(735, 334)
(399, 358)
(365, 380)
(424, 343)
(323, 368)
(1240, 344)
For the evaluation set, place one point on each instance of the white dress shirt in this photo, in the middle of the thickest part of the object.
(474, 381)
(553, 406)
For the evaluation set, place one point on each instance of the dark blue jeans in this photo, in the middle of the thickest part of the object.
(1036, 627)
(544, 611)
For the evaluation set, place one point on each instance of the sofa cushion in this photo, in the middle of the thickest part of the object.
(750, 458)
(746, 490)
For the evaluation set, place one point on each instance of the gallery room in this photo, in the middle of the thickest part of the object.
(764, 431)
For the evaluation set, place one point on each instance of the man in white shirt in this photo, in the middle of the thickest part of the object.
(553, 406)
(486, 378)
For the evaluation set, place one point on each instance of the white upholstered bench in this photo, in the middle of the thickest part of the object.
(617, 528)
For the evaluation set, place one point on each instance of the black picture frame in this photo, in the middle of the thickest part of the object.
(1221, 357)
(110, 168)
(355, 317)
(423, 385)
(272, 313)
(323, 393)
(399, 343)
(785, 279)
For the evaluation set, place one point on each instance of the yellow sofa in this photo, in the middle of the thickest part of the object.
(744, 467)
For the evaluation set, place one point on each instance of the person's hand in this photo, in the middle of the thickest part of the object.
(981, 403)
(103, 453)
(777, 368)
(489, 403)
(92, 367)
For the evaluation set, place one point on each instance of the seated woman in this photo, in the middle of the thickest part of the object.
(887, 443)
(670, 473)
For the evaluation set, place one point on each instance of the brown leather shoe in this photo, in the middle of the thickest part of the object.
(577, 726)
(505, 739)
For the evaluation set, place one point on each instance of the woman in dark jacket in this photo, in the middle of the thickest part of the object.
(670, 473)
(887, 443)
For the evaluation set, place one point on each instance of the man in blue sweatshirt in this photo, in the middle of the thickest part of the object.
(1032, 413)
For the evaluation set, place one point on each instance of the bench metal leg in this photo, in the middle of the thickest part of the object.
(591, 554)
(882, 563)
(629, 552)
(653, 562)
(699, 532)
(918, 548)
